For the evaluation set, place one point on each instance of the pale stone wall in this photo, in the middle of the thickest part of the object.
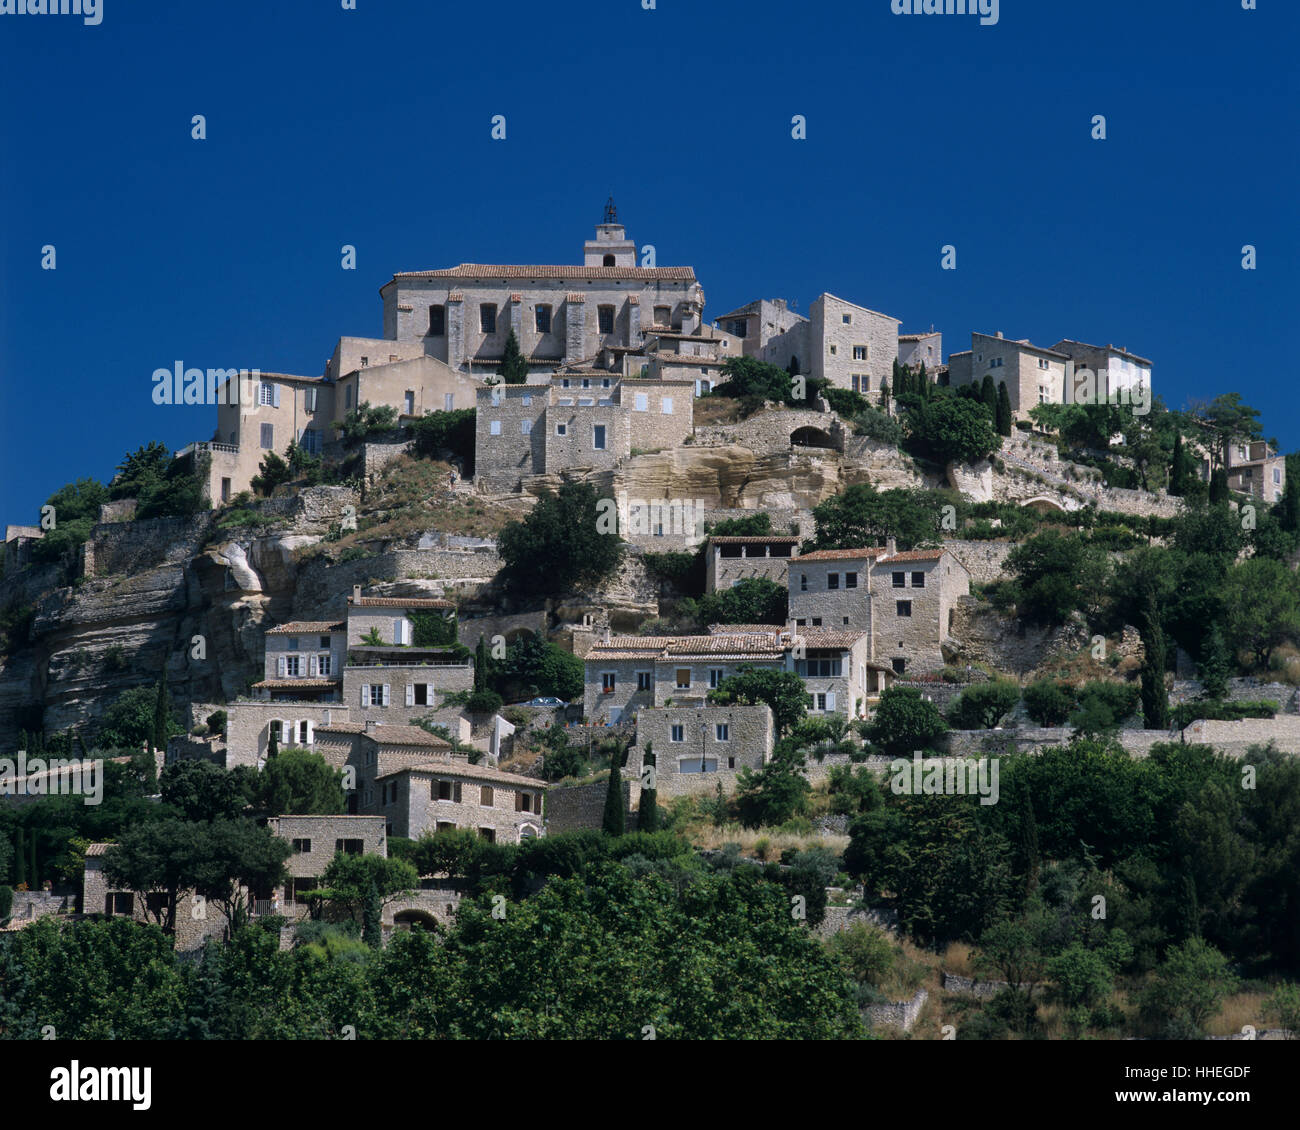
(414, 809)
(572, 808)
(928, 348)
(755, 560)
(354, 353)
(309, 646)
(433, 385)
(248, 726)
(518, 449)
(661, 412)
(834, 341)
(748, 744)
(401, 682)
(985, 561)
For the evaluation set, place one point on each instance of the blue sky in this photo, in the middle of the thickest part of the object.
(372, 127)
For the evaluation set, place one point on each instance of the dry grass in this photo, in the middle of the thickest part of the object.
(957, 959)
(712, 410)
(1238, 1011)
(706, 835)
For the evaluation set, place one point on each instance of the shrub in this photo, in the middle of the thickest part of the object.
(865, 952)
(1048, 702)
(216, 722)
(6, 902)
(984, 705)
(484, 702)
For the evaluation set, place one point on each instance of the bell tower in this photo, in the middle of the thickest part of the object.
(611, 247)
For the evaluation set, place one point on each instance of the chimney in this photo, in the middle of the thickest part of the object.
(999, 333)
(372, 725)
(891, 544)
(356, 592)
(604, 636)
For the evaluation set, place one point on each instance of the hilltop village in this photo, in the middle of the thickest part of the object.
(557, 554)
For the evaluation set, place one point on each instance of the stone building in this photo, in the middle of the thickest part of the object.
(1128, 376)
(730, 560)
(316, 840)
(1033, 375)
(559, 313)
(18, 546)
(846, 344)
(925, 349)
(1256, 469)
(696, 747)
(902, 601)
(757, 323)
(304, 661)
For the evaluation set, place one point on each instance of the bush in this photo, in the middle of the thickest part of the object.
(905, 722)
(484, 702)
(984, 705)
(6, 902)
(865, 951)
(1221, 711)
(1103, 706)
(446, 431)
(1048, 702)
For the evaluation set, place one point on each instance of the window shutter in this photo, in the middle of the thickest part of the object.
(387, 687)
(279, 666)
(275, 396)
(312, 666)
(519, 802)
(428, 693)
(830, 702)
(457, 792)
(410, 694)
(397, 632)
(311, 732)
(365, 694)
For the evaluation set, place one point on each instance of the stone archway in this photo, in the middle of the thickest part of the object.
(808, 436)
(1044, 504)
(405, 919)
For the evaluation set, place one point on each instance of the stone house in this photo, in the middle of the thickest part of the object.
(695, 747)
(757, 323)
(1256, 469)
(926, 349)
(902, 601)
(730, 560)
(1033, 375)
(1128, 376)
(848, 345)
(304, 661)
(316, 840)
(250, 724)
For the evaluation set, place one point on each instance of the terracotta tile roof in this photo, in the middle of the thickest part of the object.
(613, 656)
(399, 602)
(1101, 349)
(405, 735)
(1023, 341)
(573, 271)
(744, 629)
(665, 358)
(732, 644)
(829, 637)
(755, 539)
(917, 337)
(341, 728)
(912, 555)
(461, 768)
(296, 684)
(93, 850)
(842, 554)
(637, 643)
(306, 627)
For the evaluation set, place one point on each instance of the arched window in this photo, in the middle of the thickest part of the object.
(609, 260)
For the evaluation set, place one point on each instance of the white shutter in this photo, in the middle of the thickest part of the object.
(830, 702)
(286, 727)
(386, 690)
(365, 694)
(279, 666)
(311, 666)
(410, 694)
(428, 693)
(397, 631)
(275, 396)
(311, 732)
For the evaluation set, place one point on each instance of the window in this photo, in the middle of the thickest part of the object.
(900, 580)
(816, 621)
(918, 580)
(485, 796)
(605, 316)
(225, 490)
(422, 694)
(448, 401)
(437, 321)
(561, 429)
(667, 405)
(663, 315)
(291, 643)
(598, 437)
(608, 680)
(449, 790)
(642, 402)
(834, 350)
(827, 667)
(678, 733)
(292, 666)
(861, 382)
(683, 679)
(487, 317)
(542, 317)
(1277, 475)
(349, 847)
(310, 441)
(832, 581)
(846, 319)
(302, 846)
(564, 382)
(586, 382)
(859, 353)
(904, 607)
(494, 427)
(722, 731)
(309, 400)
(323, 665)
(738, 326)
(488, 834)
(408, 402)
(605, 382)
(803, 582)
(347, 397)
(899, 665)
(266, 395)
(526, 400)
(268, 437)
(817, 702)
(716, 675)
(585, 402)
(1042, 362)
(998, 362)
(643, 680)
(525, 427)
(850, 580)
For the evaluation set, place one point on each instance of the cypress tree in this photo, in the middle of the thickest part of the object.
(614, 822)
(481, 665)
(1289, 508)
(989, 394)
(514, 368)
(923, 382)
(20, 858)
(371, 912)
(1219, 486)
(1004, 409)
(161, 713)
(273, 744)
(884, 392)
(1155, 699)
(1215, 665)
(648, 818)
(1029, 840)
(1177, 468)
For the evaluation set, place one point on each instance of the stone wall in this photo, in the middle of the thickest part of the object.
(132, 547)
(748, 744)
(900, 1014)
(984, 560)
(31, 905)
(967, 987)
(571, 808)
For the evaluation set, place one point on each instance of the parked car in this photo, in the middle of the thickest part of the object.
(545, 701)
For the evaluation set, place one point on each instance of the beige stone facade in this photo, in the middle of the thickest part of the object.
(730, 560)
(696, 747)
(1032, 375)
(848, 345)
(925, 349)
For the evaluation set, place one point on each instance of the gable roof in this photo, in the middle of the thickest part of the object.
(842, 554)
(575, 271)
(399, 602)
(306, 627)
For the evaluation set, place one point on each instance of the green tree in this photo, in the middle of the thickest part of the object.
(1048, 702)
(482, 659)
(783, 691)
(614, 820)
(372, 910)
(163, 721)
(234, 855)
(75, 512)
(447, 432)
(1188, 990)
(951, 429)
(862, 517)
(514, 366)
(199, 790)
(1055, 575)
(131, 720)
(1178, 469)
(271, 473)
(1215, 667)
(365, 421)
(984, 705)
(989, 395)
(754, 600)
(648, 813)
(349, 879)
(157, 861)
(1005, 417)
(300, 783)
(561, 544)
(905, 722)
(1261, 599)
